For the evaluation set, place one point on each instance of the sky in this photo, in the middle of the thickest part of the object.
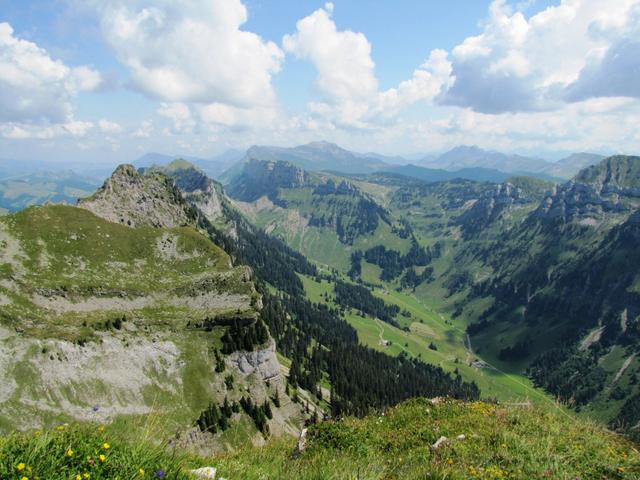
(109, 80)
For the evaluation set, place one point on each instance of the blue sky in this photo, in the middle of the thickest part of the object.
(106, 81)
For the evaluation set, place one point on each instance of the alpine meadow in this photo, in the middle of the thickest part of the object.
(320, 241)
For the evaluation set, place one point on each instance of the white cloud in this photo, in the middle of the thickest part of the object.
(342, 58)
(179, 114)
(519, 64)
(192, 51)
(35, 88)
(145, 130)
(346, 76)
(109, 127)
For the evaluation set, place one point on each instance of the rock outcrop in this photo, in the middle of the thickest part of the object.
(263, 362)
(611, 187)
(134, 199)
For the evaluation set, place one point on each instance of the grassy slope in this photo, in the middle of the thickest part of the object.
(499, 443)
(84, 259)
(69, 249)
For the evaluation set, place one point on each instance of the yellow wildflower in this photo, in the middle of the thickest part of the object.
(60, 428)
(102, 457)
(101, 428)
(86, 475)
(620, 469)
(141, 472)
(37, 433)
(450, 462)
(24, 478)
(69, 452)
(20, 467)
(106, 446)
(78, 477)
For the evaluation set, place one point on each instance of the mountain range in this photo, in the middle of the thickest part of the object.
(237, 315)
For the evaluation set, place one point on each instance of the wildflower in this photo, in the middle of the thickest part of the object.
(85, 475)
(102, 458)
(78, 477)
(95, 408)
(106, 446)
(160, 473)
(69, 453)
(141, 472)
(450, 462)
(20, 467)
(101, 428)
(620, 469)
(37, 433)
(60, 428)
(24, 478)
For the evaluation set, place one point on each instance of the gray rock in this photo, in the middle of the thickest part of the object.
(205, 473)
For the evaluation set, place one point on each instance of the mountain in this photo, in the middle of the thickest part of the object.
(569, 166)
(541, 275)
(312, 208)
(19, 192)
(439, 175)
(263, 178)
(463, 156)
(568, 310)
(471, 156)
(134, 199)
(214, 167)
(318, 156)
(124, 305)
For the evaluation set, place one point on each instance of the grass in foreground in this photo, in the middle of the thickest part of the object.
(498, 443)
(84, 453)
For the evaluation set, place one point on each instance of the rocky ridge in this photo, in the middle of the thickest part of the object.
(134, 199)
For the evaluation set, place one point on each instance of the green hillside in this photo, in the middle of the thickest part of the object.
(101, 321)
(455, 249)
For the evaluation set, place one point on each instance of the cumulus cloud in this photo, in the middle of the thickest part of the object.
(342, 58)
(559, 54)
(346, 76)
(192, 51)
(35, 88)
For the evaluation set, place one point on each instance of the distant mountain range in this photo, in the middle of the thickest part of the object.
(474, 157)
(465, 162)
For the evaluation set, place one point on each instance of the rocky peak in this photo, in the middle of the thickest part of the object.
(135, 199)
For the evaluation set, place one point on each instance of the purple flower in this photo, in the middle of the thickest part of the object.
(95, 408)
(160, 473)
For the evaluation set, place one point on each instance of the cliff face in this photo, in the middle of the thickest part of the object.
(134, 199)
(608, 188)
(197, 189)
(263, 177)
